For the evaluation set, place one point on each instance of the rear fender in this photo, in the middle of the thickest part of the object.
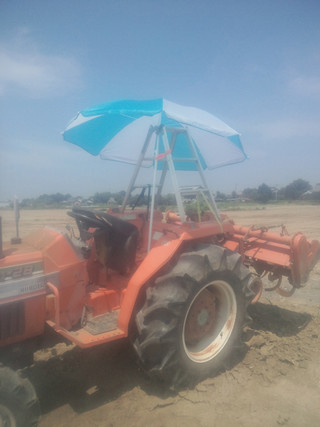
(155, 261)
(162, 255)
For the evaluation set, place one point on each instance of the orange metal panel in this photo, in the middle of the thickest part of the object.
(102, 300)
(163, 250)
(33, 322)
(84, 339)
(156, 259)
(18, 258)
(295, 254)
(231, 245)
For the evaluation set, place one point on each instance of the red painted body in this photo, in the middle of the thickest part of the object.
(48, 279)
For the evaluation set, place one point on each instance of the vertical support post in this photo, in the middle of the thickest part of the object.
(148, 203)
(137, 168)
(153, 193)
(16, 209)
(162, 179)
(1, 250)
(173, 177)
(165, 168)
(16, 240)
(194, 151)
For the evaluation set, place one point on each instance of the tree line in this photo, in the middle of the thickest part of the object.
(296, 190)
(58, 200)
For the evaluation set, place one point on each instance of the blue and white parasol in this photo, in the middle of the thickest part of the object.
(117, 131)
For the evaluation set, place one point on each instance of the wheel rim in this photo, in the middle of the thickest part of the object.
(209, 321)
(6, 417)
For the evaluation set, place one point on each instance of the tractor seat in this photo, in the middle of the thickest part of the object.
(116, 240)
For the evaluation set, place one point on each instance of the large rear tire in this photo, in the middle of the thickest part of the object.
(19, 406)
(193, 316)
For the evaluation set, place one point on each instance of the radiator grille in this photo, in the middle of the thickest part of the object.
(12, 320)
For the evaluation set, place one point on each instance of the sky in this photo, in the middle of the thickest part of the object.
(254, 64)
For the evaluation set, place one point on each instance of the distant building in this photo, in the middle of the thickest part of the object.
(5, 204)
(112, 202)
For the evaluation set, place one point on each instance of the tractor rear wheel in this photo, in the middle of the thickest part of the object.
(193, 316)
(19, 406)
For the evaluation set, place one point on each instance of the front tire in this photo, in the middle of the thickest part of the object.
(193, 316)
(19, 406)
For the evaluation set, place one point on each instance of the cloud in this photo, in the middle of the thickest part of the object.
(287, 129)
(39, 75)
(33, 167)
(306, 85)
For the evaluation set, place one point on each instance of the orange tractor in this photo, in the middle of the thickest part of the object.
(176, 284)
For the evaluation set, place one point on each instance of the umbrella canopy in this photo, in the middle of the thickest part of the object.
(117, 131)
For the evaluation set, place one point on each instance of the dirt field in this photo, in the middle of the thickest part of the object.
(273, 381)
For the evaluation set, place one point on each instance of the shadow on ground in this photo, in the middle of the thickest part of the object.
(87, 379)
(279, 321)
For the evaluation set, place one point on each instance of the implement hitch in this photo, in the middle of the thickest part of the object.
(276, 254)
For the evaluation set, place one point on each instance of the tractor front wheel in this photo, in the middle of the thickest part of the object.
(193, 316)
(19, 406)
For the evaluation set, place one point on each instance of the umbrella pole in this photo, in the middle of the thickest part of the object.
(165, 169)
(153, 191)
(204, 182)
(173, 176)
(137, 168)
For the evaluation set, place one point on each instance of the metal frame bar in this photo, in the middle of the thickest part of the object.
(173, 176)
(169, 167)
(165, 167)
(199, 167)
(153, 193)
(137, 168)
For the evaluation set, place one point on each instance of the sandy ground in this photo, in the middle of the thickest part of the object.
(274, 379)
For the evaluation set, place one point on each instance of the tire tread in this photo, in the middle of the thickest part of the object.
(158, 320)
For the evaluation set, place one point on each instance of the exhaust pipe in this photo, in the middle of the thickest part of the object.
(16, 208)
(1, 249)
